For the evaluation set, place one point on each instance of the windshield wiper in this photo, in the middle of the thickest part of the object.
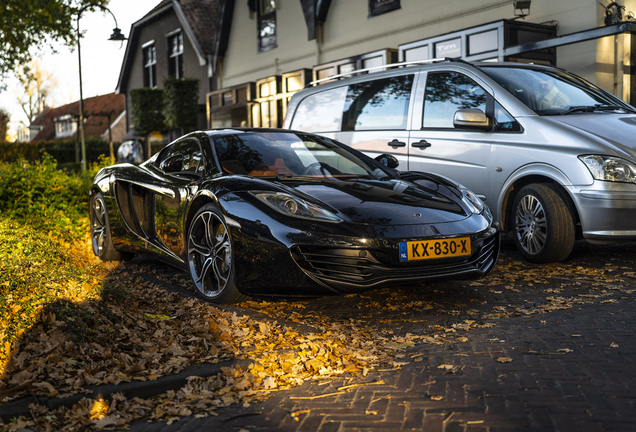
(597, 107)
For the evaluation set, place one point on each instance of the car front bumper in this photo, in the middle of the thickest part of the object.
(607, 211)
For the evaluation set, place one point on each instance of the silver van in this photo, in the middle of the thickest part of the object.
(552, 155)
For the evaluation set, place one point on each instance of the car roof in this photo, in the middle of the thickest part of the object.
(233, 131)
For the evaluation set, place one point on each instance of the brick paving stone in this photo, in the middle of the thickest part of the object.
(329, 426)
(589, 389)
(413, 419)
(394, 413)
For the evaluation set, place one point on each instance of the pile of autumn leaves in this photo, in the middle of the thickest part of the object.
(128, 343)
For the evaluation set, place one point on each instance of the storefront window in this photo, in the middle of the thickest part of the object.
(449, 48)
(483, 42)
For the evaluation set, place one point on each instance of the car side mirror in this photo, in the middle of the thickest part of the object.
(388, 160)
(471, 118)
(173, 164)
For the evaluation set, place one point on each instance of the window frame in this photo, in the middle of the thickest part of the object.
(406, 126)
(489, 99)
(68, 123)
(176, 68)
(149, 64)
(166, 154)
(262, 17)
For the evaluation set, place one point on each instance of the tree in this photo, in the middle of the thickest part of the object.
(4, 124)
(26, 25)
(36, 85)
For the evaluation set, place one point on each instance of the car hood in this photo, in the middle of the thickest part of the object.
(619, 129)
(391, 202)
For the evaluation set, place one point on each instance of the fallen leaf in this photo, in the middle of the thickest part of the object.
(505, 359)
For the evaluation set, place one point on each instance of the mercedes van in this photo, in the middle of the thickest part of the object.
(552, 155)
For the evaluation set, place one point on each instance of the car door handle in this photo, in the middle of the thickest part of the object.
(395, 143)
(421, 144)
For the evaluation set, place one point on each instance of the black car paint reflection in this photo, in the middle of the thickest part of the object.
(253, 211)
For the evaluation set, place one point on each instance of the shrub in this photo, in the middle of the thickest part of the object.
(62, 151)
(38, 194)
(146, 108)
(180, 102)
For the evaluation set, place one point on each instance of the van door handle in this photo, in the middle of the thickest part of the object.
(421, 144)
(395, 143)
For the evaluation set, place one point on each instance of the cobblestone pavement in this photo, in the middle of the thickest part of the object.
(558, 355)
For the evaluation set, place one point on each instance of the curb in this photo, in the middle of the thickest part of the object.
(142, 389)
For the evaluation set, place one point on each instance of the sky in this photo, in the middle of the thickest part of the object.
(101, 58)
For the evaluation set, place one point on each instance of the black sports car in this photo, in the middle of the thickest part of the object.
(265, 211)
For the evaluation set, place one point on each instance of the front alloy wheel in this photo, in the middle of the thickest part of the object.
(543, 224)
(210, 257)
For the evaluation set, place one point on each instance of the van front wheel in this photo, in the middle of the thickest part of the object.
(543, 225)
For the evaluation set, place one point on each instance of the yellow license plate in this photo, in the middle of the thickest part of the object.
(430, 249)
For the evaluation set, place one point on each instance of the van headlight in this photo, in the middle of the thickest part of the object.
(609, 168)
(293, 206)
(471, 200)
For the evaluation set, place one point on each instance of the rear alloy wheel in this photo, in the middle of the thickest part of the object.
(100, 231)
(543, 224)
(210, 257)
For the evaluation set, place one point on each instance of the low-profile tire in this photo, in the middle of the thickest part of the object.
(211, 257)
(101, 239)
(543, 227)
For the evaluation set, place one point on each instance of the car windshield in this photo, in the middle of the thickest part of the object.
(553, 92)
(267, 154)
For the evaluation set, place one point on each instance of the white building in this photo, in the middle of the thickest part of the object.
(267, 49)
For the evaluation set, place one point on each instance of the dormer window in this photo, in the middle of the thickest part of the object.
(175, 55)
(150, 64)
(65, 126)
(266, 25)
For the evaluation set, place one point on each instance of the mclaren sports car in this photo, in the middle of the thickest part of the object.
(277, 212)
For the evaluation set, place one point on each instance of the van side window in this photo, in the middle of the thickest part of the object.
(504, 122)
(320, 112)
(378, 104)
(447, 92)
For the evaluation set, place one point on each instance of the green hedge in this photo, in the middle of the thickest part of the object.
(62, 151)
(180, 102)
(39, 194)
(146, 108)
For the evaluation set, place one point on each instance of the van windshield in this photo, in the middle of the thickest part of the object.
(554, 92)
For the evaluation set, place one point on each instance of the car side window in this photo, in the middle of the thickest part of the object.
(504, 122)
(320, 112)
(379, 104)
(181, 157)
(447, 92)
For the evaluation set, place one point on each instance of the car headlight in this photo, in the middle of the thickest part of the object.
(609, 168)
(294, 206)
(469, 197)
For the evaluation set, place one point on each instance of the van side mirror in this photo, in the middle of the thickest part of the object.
(471, 118)
(388, 160)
